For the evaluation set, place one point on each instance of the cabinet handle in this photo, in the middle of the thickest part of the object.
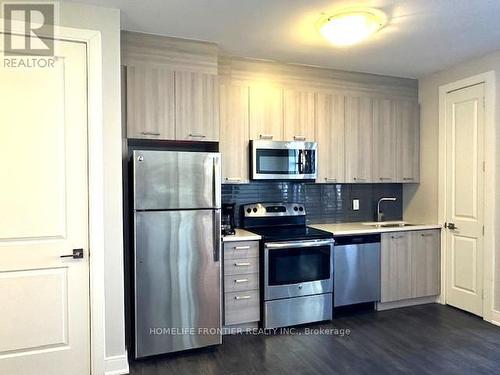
(299, 137)
(234, 179)
(238, 281)
(197, 135)
(245, 264)
(408, 178)
(426, 234)
(241, 247)
(242, 297)
(396, 237)
(149, 133)
(359, 179)
(266, 136)
(385, 178)
(330, 179)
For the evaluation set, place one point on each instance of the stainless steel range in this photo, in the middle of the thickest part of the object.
(296, 264)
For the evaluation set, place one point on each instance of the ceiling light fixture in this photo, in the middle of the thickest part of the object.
(349, 27)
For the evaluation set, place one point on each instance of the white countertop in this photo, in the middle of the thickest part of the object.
(344, 229)
(241, 235)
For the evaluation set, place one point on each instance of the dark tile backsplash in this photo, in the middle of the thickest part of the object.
(325, 203)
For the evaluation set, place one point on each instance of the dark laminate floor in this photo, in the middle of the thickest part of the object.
(428, 339)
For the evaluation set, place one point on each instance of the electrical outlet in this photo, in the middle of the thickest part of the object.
(355, 204)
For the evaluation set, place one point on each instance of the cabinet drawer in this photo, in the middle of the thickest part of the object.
(244, 249)
(241, 307)
(241, 266)
(237, 283)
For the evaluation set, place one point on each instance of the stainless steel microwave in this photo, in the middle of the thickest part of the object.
(272, 160)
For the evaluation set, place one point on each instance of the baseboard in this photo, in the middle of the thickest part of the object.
(116, 365)
(406, 303)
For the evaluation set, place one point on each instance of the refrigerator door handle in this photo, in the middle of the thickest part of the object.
(216, 179)
(217, 235)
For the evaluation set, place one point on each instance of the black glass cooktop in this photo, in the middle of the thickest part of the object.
(290, 233)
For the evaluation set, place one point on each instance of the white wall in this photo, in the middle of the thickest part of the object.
(107, 21)
(421, 201)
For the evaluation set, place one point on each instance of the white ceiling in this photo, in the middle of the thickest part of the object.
(423, 36)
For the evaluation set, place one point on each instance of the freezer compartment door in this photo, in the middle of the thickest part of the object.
(177, 281)
(176, 180)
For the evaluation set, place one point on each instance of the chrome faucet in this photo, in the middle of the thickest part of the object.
(380, 215)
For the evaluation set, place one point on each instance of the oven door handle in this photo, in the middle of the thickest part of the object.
(296, 244)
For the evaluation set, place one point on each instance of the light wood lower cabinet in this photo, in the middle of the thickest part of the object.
(426, 263)
(395, 261)
(241, 282)
(234, 133)
(410, 265)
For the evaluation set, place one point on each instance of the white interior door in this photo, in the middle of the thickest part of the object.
(464, 198)
(44, 299)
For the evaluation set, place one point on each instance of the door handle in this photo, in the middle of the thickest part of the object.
(243, 264)
(451, 226)
(77, 254)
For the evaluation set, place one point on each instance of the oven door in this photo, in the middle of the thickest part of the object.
(283, 160)
(298, 268)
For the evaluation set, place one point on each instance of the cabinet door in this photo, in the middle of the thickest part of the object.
(330, 136)
(384, 141)
(395, 266)
(150, 102)
(408, 141)
(234, 134)
(298, 115)
(266, 112)
(196, 106)
(358, 139)
(425, 263)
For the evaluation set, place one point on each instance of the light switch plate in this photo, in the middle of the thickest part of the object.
(355, 204)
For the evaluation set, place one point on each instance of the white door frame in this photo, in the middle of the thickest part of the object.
(92, 39)
(489, 80)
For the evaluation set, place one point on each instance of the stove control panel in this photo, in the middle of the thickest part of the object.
(274, 209)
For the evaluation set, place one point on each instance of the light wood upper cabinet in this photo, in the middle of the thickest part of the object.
(298, 115)
(266, 112)
(330, 137)
(408, 141)
(150, 102)
(426, 264)
(234, 133)
(358, 139)
(396, 272)
(196, 106)
(384, 140)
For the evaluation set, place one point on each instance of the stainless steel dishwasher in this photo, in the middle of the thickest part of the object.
(356, 269)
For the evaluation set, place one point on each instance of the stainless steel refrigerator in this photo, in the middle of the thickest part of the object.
(177, 270)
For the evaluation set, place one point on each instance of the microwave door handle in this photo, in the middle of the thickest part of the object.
(301, 162)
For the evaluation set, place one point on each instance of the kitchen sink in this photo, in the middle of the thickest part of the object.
(389, 224)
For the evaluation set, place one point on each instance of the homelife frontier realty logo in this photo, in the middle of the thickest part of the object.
(29, 34)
